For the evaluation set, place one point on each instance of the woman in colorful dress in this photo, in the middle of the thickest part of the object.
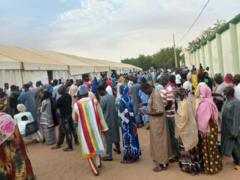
(131, 149)
(14, 162)
(187, 133)
(207, 117)
(91, 125)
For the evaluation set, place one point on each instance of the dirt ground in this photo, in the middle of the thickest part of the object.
(58, 165)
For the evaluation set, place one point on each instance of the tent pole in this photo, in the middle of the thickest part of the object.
(21, 72)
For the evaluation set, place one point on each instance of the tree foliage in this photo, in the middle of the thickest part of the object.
(162, 59)
(206, 34)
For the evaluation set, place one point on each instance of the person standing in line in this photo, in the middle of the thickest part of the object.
(107, 103)
(187, 134)
(187, 85)
(13, 101)
(237, 86)
(207, 117)
(218, 98)
(3, 101)
(230, 139)
(46, 120)
(169, 103)
(14, 161)
(136, 101)
(38, 92)
(64, 104)
(144, 102)
(160, 145)
(28, 99)
(178, 79)
(7, 90)
(228, 81)
(131, 148)
(91, 124)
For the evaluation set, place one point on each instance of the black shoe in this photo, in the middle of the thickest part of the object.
(106, 158)
(118, 151)
(173, 160)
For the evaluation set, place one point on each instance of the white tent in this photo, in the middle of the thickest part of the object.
(20, 65)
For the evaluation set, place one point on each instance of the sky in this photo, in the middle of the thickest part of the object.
(107, 29)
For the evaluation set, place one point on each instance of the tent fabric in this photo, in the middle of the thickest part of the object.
(11, 77)
(42, 67)
(35, 76)
(101, 69)
(7, 63)
(39, 60)
(31, 59)
(76, 70)
(61, 75)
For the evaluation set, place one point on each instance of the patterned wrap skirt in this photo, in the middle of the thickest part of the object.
(212, 162)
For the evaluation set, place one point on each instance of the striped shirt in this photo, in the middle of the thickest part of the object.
(168, 95)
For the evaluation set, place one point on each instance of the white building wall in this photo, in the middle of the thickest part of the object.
(215, 56)
(207, 61)
(227, 52)
(238, 34)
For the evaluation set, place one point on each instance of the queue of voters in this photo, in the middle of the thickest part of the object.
(193, 119)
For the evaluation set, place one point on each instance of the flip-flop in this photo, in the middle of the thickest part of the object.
(125, 162)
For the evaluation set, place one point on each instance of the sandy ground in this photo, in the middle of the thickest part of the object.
(58, 165)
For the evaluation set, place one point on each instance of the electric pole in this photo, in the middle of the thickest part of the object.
(175, 53)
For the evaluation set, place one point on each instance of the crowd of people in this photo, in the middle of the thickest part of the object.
(192, 118)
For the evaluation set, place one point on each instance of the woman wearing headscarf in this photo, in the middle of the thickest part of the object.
(46, 120)
(95, 86)
(230, 139)
(14, 162)
(131, 149)
(187, 134)
(207, 117)
(218, 98)
(228, 82)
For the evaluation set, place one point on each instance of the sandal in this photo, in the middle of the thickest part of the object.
(125, 162)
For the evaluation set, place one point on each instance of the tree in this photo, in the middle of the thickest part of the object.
(162, 59)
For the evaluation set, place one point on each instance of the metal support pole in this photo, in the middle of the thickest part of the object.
(175, 53)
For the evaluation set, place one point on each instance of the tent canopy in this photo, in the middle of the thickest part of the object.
(29, 59)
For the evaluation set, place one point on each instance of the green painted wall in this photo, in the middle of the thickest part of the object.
(235, 50)
(220, 52)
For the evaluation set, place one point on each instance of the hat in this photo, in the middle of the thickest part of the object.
(21, 108)
(82, 90)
